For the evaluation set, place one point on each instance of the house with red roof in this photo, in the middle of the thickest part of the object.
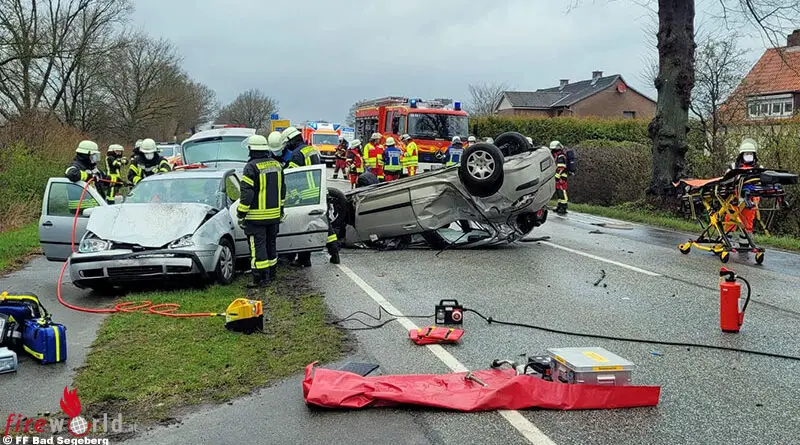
(771, 90)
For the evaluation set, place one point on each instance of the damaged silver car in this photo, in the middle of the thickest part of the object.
(180, 224)
(496, 196)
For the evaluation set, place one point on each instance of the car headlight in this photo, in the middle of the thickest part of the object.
(93, 244)
(186, 241)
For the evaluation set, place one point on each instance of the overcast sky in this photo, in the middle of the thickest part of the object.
(317, 57)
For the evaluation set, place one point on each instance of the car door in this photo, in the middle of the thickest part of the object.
(233, 192)
(305, 227)
(60, 202)
(385, 212)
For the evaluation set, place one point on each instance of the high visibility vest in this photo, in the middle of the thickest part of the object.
(454, 154)
(411, 158)
(392, 159)
(369, 161)
(311, 156)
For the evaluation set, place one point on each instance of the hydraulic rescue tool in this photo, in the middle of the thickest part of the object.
(731, 303)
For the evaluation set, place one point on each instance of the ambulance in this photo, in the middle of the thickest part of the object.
(324, 136)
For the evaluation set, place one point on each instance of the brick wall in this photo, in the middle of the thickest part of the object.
(610, 103)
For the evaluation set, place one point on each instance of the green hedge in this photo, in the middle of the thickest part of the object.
(569, 131)
(610, 172)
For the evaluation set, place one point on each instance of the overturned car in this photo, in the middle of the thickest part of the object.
(497, 195)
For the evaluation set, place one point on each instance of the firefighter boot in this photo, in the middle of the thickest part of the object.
(258, 276)
(333, 250)
(303, 260)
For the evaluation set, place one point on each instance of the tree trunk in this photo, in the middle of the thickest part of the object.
(674, 83)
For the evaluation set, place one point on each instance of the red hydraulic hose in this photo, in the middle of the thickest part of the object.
(164, 309)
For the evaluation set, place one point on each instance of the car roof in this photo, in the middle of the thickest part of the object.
(195, 173)
(218, 132)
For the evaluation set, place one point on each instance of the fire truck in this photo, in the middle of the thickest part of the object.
(324, 136)
(432, 123)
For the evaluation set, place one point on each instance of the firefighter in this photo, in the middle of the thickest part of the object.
(530, 140)
(260, 209)
(452, 156)
(82, 168)
(136, 146)
(376, 158)
(746, 159)
(341, 158)
(369, 163)
(560, 156)
(488, 140)
(303, 155)
(355, 162)
(392, 161)
(114, 162)
(411, 157)
(471, 140)
(149, 162)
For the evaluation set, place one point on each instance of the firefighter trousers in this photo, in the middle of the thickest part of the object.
(304, 258)
(263, 246)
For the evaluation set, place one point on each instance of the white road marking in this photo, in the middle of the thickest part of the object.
(518, 421)
(605, 260)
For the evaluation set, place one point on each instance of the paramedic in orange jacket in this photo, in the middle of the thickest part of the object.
(376, 159)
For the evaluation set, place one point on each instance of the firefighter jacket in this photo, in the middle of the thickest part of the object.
(341, 151)
(141, 167)
(114, 165)
(369, 161)
(263, 189)
(355, 160)
(560, 157)
(304, 155)
(392, 159)
(411, 158)
(453, 154)
(82, 169)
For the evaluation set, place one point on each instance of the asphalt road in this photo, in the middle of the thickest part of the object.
(650, 291)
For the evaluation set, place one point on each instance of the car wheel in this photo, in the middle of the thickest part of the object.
(337, 208)
(226, 264)
(481, 169)
(511, 143)
(366, 179)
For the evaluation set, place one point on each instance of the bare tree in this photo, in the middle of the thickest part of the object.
(720, 66)
(141, 80)
(197, 105)
(42, 44)
(484, 97)
(251, 108)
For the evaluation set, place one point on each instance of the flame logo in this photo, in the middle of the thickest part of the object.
(71, 405)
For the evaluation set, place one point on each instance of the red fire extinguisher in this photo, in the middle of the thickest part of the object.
(731, 303)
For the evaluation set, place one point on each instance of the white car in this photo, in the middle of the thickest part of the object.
(179, 224)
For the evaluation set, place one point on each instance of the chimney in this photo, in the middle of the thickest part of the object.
(793, 39)
(564, 82)
(597, 74)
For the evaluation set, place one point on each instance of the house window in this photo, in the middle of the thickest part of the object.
(770, 107)
(629, 114)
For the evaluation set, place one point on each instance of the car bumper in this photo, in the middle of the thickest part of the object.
(123, 266)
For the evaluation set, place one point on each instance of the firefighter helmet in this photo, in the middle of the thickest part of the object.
(116, 148)
(275, 142)
(87, 147)
(148, 146)
(355, 143)
(375, 137)
(530, 140)
(138, 143)
(257, 142)
(290, 133)
(456, 140)
(555, 145)
(390, 141)
(405, 137)
(748, 146)
(472, 139)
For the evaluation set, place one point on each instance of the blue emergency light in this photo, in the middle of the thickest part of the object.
(413, 103)
(457, 106)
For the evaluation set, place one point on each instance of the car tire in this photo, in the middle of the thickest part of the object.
(366, 179)
(338, 208)
(225, 270)
(512, 143)
(481, 169)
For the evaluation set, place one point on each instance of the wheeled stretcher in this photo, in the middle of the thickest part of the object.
(731, 204)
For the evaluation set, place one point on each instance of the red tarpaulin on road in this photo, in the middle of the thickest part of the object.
(330, 388)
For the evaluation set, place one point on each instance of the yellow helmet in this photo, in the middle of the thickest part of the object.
(748, 146)
(390, 141)
(290, 133)
(148, 146)
(116, 147)
(257, 142)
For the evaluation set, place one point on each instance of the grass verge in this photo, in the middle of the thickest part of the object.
(16, 246)
(144, 366)
(653, 218)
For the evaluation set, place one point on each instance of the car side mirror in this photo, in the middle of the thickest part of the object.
(88, 212)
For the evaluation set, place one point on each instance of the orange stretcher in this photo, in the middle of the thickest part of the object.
(731, 204)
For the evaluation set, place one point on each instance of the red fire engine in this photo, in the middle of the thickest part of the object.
(432, 124)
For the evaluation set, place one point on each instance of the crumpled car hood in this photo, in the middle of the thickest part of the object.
(148, 225)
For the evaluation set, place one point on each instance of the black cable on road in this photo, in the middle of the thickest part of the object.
(490, 320)
(381, 310)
